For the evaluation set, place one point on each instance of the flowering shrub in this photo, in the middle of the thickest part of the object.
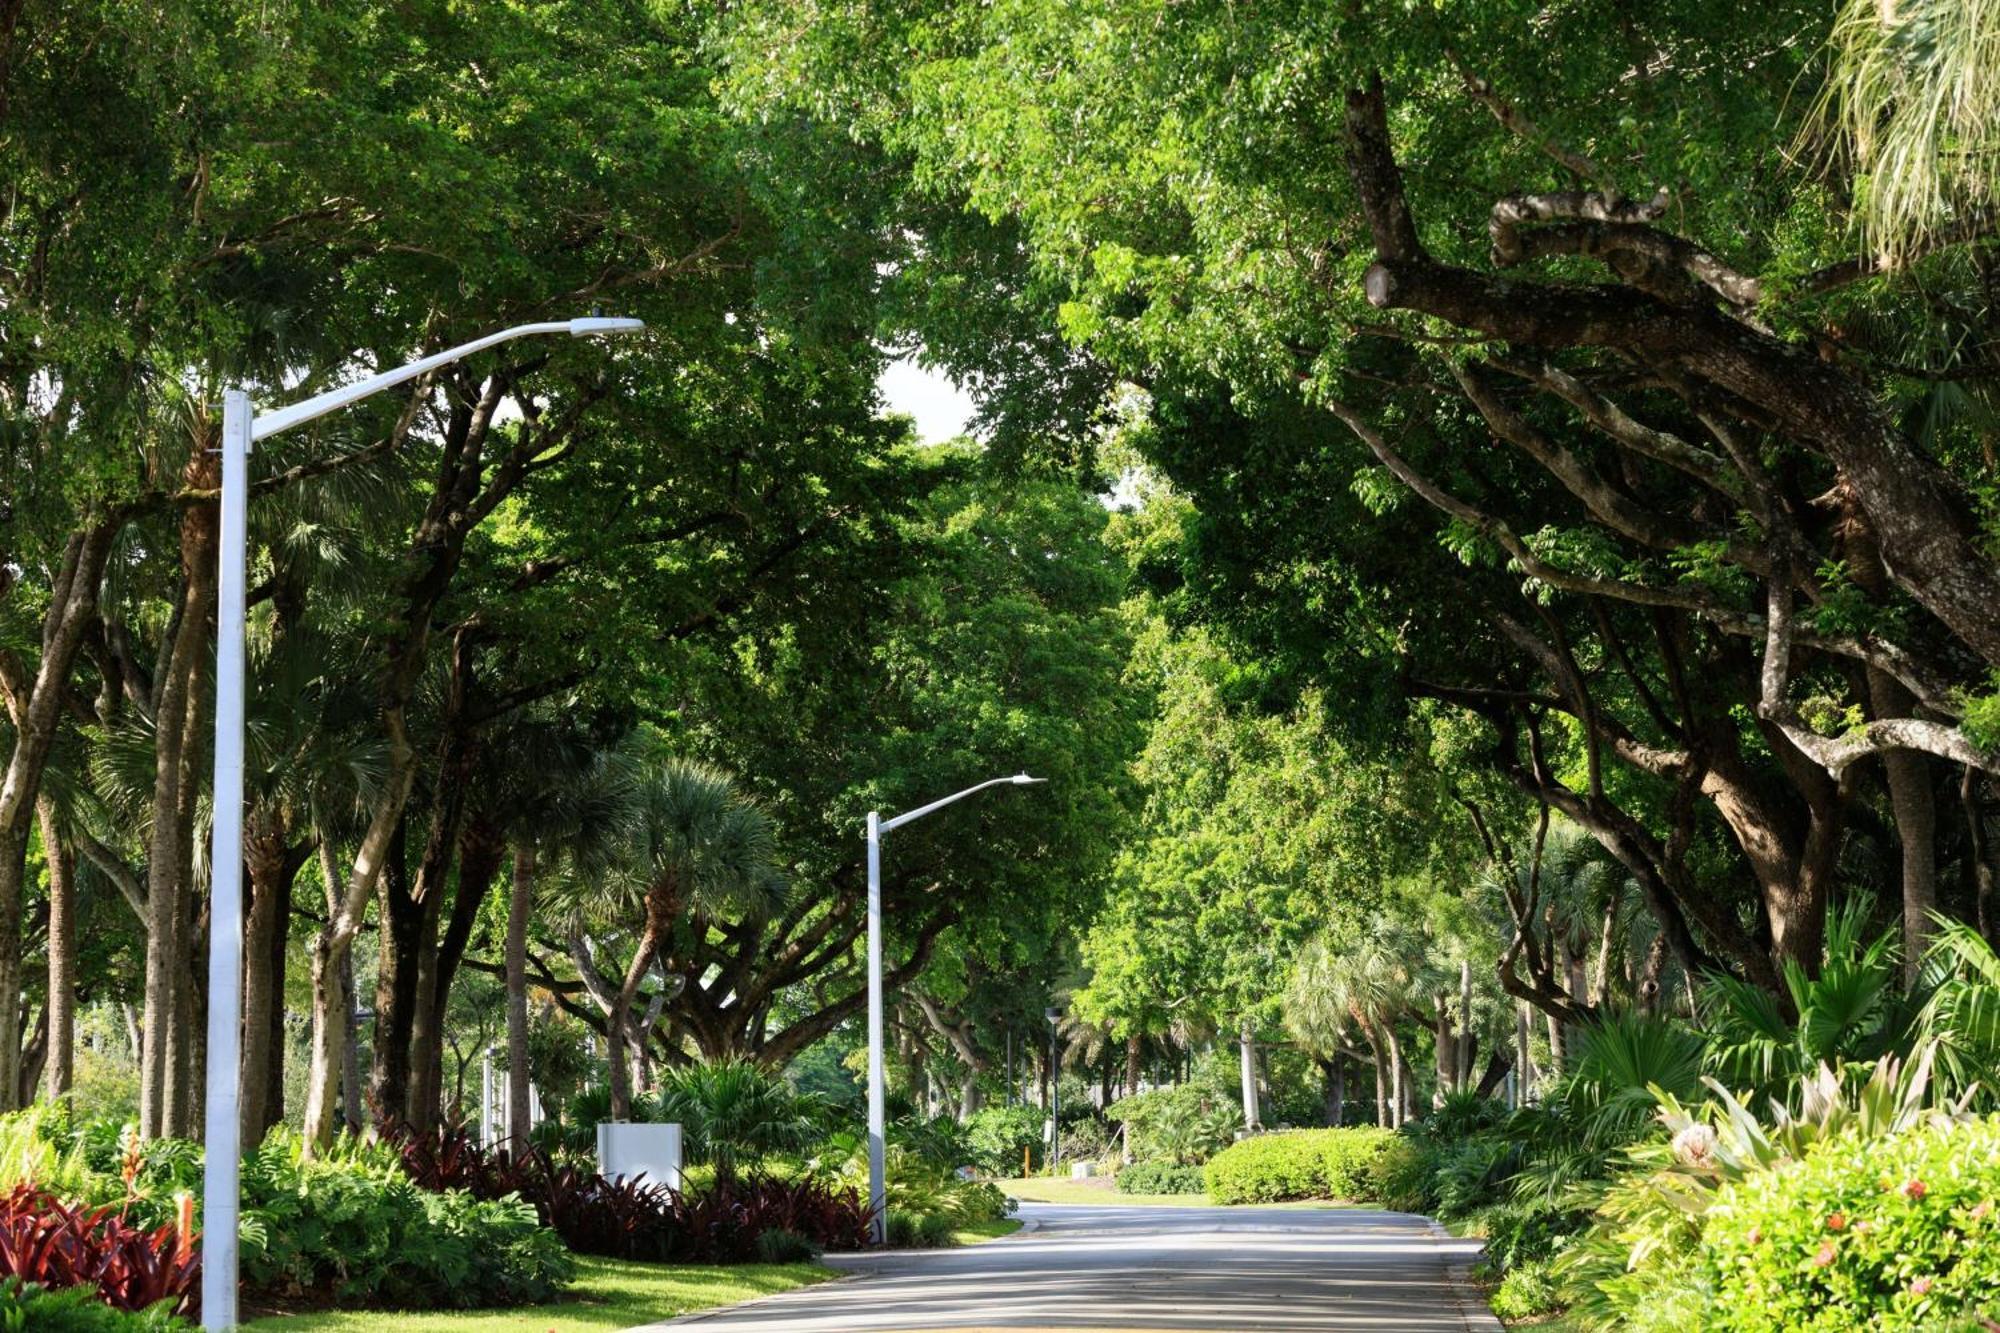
(1895, 1233)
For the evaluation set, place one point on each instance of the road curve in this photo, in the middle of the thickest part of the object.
(1147, 1270)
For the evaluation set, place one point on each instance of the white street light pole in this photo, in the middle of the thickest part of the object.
(878, 1195)
(222, 1134)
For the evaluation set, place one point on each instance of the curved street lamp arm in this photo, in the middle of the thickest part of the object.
(1019, 780)
(284, 418)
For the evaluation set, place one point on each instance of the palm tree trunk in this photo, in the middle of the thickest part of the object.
(61, 1068)
(271, 869)
(520, 902)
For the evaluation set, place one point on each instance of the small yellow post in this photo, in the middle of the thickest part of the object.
(1025, 1172)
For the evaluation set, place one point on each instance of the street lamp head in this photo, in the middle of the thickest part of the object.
(1053, 1014)
(1023, 780)
(596, 326)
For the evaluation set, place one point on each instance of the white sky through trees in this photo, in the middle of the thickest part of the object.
(941, 409)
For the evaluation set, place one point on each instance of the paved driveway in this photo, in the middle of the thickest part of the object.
(1148, 1270)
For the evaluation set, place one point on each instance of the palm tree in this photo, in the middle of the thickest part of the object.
(734, 1110)
(1371, 980)
(1913, 96)
(698, 848)
(566, 808)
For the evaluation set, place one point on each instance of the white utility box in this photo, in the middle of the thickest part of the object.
(625, 1149)
(1082, 1170)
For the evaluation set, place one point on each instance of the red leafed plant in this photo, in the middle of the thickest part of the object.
(636, 1219)
(46, 1241)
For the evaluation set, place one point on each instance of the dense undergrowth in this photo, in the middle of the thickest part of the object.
(1828, 1160)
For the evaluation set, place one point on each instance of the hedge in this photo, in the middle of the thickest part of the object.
(1889, 1234)
(1298, 1164)
(1160, 1178)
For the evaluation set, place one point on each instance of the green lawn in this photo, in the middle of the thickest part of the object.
(979, 1231)
(609, 1294)
(1097, 1189)
(1102, 1190)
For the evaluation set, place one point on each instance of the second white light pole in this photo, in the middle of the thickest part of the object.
(222, 1132)
(878, 1195)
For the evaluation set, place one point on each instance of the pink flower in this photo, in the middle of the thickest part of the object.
(1921, 1287)
(1756, 1235)
(1982, 1209)
(1825, 1255)
(1915, 1190)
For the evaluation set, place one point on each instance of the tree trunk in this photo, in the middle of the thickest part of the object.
(399, 929)
(61, 1067)
(1133, 1049)
(34, 702)
(1399, 1080)
(1912, 802)
(34, 1057)
(1465, 1038)
(1247, 1048)
(481, 851)
(166, 1092)
(353, 1087)
(1444, 1043)
(520, 903)
(618, 1023)
(1377, 1050)
(1333, 1090)
(1979, 867)
(271, 866)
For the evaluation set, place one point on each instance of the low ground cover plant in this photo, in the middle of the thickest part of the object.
(1298, 1164)
(29, 1306)
(366, 1234)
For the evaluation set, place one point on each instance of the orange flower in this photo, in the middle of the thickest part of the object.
(1914, 1189)
(1836, 1221)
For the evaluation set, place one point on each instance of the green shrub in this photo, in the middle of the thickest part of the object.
(33, 1309)
(1161, 1178)
(1526, 1292)
(779, 1246)
(1895, 1233)
(365, 1234)
(1299, 1164)
(995, 1136)
(1403, 1176)
(1469, 1174)
(918, 1231)
(1188, 1124)
(1526, 1231)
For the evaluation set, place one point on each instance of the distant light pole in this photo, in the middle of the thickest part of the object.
(1054, 1015)
(878, 1194)
(221, 1179)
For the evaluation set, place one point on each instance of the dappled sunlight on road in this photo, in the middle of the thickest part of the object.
(1151, 1270)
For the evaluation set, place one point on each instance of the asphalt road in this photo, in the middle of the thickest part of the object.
(1148, 1270)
